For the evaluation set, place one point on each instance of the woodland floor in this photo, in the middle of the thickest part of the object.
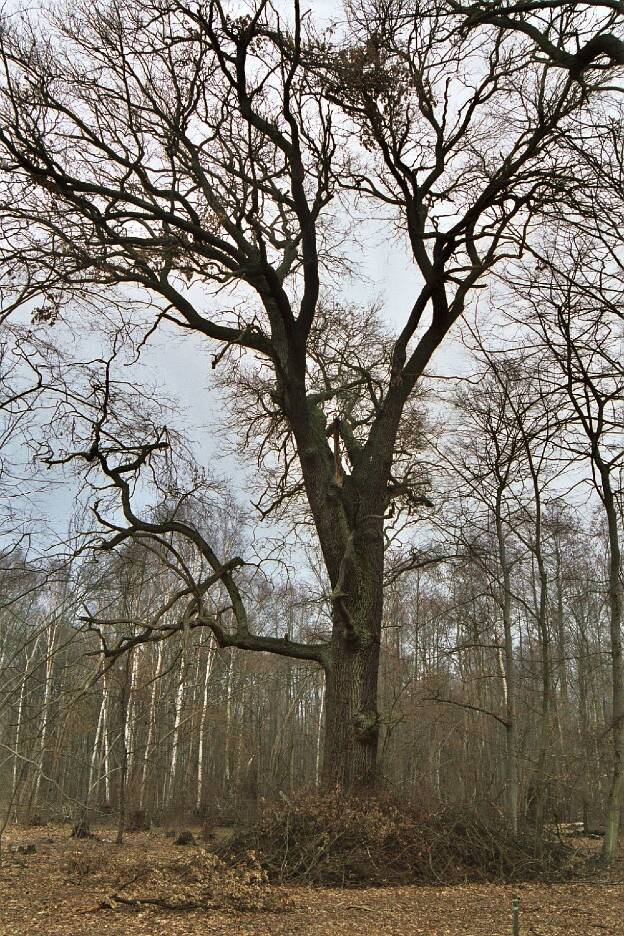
(60, 889)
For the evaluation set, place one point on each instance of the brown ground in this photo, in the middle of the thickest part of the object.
(59, 890)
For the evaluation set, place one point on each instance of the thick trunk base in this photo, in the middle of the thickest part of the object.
(351, 718)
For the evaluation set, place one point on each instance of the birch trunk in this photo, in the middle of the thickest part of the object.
(151, 729)
(179, 702)
(105, 744)
(45, 712)
(123, 774)
(319, 735)
(93, 763)
(202, 725)
(18, 727)
(228, 719)
(130, 717)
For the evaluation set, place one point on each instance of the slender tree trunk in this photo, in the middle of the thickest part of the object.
(151, 728)
(123, 773)
(512, 794)
(319, 736)
(105, 744)
(228, 721)
(130, 718)
(583, 722)
(94, 751)
(179, 701)
(616, 604)
(45, 712)
(561, 635)
(202, 725)
(17, 773)
(546, 713)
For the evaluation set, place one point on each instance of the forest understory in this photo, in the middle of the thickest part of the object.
(70, 886)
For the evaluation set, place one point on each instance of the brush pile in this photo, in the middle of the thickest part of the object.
(327, 839)
(201, 881)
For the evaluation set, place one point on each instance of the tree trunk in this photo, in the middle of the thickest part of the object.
(151, 729)
(199, 795)
(19, 774)
(177, 721)
(512, 793)
(351, 717)
(319, 736)
(123, 772)
(105, 744)
(93, 762)
(45, 711)
(616, 602)
(129, 728)
(228, 722)
(541, 771)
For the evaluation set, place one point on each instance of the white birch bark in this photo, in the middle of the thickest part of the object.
(319, 736)
(228, 719)
(130, 718)
(45, 711)
(105, 744)
(202, 722)
(18, 724)
(179, 703)
(93, 763)
(151, 729)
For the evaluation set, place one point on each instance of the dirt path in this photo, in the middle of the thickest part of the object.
(58, 892)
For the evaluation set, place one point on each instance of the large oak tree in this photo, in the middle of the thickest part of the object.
(192, 153)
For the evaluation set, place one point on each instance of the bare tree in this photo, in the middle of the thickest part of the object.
(576, 312)
(182, 149)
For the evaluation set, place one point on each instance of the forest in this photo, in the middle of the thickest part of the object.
(311, 467)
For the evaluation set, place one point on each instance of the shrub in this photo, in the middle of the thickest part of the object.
(138, 821)
(81, 830)
(78, 865)
(35, 821)
(185, 837)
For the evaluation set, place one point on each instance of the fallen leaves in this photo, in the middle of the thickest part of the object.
(39, 897)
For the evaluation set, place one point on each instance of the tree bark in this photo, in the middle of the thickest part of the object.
(199, 795)
(18, 774)
(177, 721)
(511, 740)
(351, 717)
(151, 729)
(93, 762)
(616, 605)
(319, 736)
(45, 711)
(123, 767)
(105, 742)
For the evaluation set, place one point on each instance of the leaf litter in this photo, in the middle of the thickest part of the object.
(70, 888)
